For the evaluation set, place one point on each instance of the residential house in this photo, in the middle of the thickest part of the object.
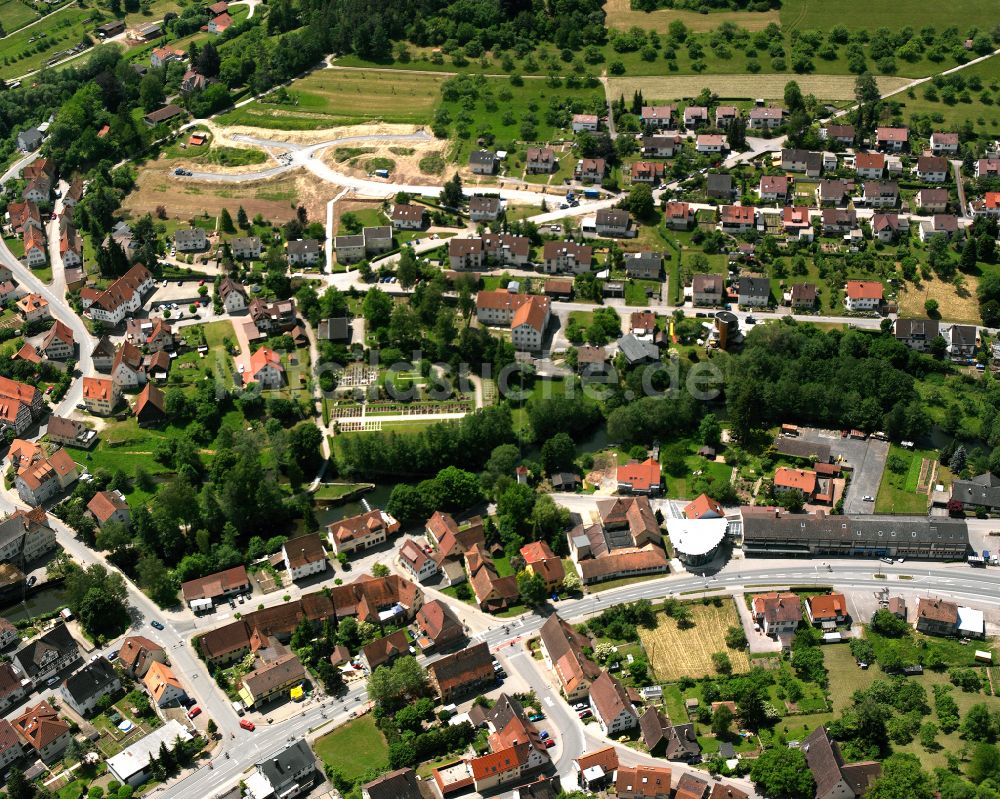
(10, 744)
(703, 507)
(932, 201)
(150, 406)
(164, 688)
(945, 225)
(642, 782)
(640, 478)
(152, 335)
(842, 134)
(84, 690)
(839, 221)
(378, 239)
(737, 218)
(917, 334)
(834, 778)
(364, 531)
(827, 609)
(661, 145)
(803, 481)
(988, 167)
(613, 223)
(58, 343)
(795, 221)
(504, 249)
(707, 289)
(587, 122)
(245, 247)
(591, 169)
(484, 209)
(711, 143)
(725, 114)
(461, 673)
(109, 506)
(863, 295)
(303, 252)
(665, 740)
(690, 787)
(869, 166)
(833, 192)
(137, 653)
(562, 648)
(37, 190)
(885, 227)
(190, 239)
(719, 186)
(932, 168)
(399, 784)
(540, 161)
(636, 350)
(204, 592)
(657, 116)
(777, 614)
(795, 160)
(566, 256)
(941, 617)
(499, 768)
(416, 561)
(48, 654)
(161, 56)
(765, 118)
(25, 535)
(892, 140)
(194, 81)
(286, 775)
(880, 193)
(8, 635)
(527, 314)
(540, 560)
(19, 404)
(127, 371)
(33, 307)
(611, 706)
(40, 480)
(41, 728)
(276, 671)
(695, 116)
(220, 23)
(278, 316)
(962, 341)
(20, 216)
(382, 651)
(754, 292)
(134, 765)
(493, 592)
(337, 328)
(35, 247)
(29, 140)
(483, 162)
(595, 770)
(304, 556)
(407, 217)
(650, 172)
(439, 625)
(773, 188)
(266, 369)
(465, 254)
(643, 265)
(121, 298)
(988, 206)
(678, 216)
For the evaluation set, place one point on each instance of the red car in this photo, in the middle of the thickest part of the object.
(550, 742)
(194, 712)
(201, 282)
(246, 724)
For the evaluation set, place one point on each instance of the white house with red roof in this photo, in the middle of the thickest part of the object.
(862, 295)
(266, 369)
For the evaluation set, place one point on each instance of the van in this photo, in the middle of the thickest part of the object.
(238, 707)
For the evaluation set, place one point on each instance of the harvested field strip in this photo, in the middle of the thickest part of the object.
(675, 653)
(621, 15)
(771, 87)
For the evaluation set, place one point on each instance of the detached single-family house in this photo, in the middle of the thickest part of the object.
(661, 145)
(932, 201)
(944, 143)
(541, 161)
(611, 706)
(84, 689)
(766, 117)
(869, 165)
(777, 614)
(191, 239)
(939, 225)
(737, 218)
(658, 116)
(773, 188)
(711, 143)
(586, 122)
(932, 168)
(407, 217)
(707, 289)
(484, 209)
(613, 223)
(483, 162)
(754, 292)
(892, 140)
(880, 193)
(304, 556)
(695, 116)
(678, 216)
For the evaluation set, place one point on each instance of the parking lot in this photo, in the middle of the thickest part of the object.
(867, 458)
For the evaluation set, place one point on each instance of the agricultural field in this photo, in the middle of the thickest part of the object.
(622, 16)
(866, 15)
(28, 49)
(906, 491)
(979, 107)
(330, 97)
(769, 87)
(675, 653)
(954, 304)
(15, 14)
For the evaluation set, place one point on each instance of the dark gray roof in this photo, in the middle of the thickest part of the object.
(612, 216)
(755, 287)
(963, 335)
(290, 760)
(334, 329)
(984, 489)
(92, 680)
(484, 157)
(716, 181)
(916, 328)
(800, 448)
(399, 784)
(348, 241)
(303, 246)
(32, 656)
(379, 232)
(643, 258)
(635, 350)
(188, 234)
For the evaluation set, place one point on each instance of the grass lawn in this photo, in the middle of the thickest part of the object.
(863, 14)
(15, 14)
(675, 653)
(355, 748)
(635, 291)
(622, 16)
(334, 97)
(919, 648)
(897, 493)
(334, 491)
(61, 31)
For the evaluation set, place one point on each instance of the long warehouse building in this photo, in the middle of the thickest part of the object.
(773, 531)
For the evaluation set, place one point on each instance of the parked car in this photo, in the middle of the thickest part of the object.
(246, 724)
(195, 711)
(32, 580)
(550, 742)
(536, 717)
(113, 656)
